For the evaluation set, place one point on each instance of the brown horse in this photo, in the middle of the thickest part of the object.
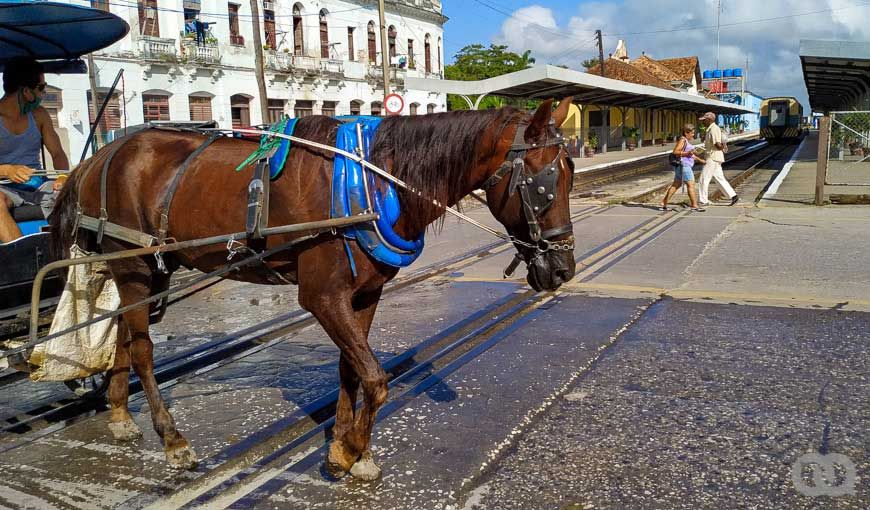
(445, 155)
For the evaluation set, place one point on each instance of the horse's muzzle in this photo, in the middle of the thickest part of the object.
(549, 270)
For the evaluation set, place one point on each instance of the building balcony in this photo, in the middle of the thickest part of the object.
(157, 48)
(203, 54)
(306, 65)
(332, 67)
(279, 61)
(376, 73)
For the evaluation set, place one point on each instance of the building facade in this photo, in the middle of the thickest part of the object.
(194, 60)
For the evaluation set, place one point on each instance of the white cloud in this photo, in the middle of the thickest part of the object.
(772, 46)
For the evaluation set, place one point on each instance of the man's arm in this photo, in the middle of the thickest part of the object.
(717, 139)
(51, 140)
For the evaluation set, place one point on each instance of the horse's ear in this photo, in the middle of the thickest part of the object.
(561, 112)
(538, 124)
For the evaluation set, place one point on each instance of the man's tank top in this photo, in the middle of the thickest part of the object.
(23, 149)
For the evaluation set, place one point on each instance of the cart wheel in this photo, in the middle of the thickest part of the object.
(91, 387)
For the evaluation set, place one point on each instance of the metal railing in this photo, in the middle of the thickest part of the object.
(849, 149)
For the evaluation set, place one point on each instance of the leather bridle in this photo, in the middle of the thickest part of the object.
(537, 193)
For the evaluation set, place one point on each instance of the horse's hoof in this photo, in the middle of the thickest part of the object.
(365, 468)
(181, 457)
(339, 460)
(126, 430)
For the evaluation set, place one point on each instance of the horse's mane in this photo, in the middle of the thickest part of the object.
(434, 152)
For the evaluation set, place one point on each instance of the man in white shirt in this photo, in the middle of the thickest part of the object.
(713, 145)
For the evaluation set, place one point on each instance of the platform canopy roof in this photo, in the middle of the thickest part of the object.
(836, 73)
(549, 81)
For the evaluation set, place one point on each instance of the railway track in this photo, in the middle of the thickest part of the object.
(54, 416)
(265, 461)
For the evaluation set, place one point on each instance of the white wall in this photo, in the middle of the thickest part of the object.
(234, 74)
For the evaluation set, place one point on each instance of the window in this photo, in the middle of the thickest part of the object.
(413, 108)
(155, 107)
(376, 108)
(328, 108)
(438, 50)
(411, 54)
(298, 47)
(191, 11)
(235, 37)
(427, 55)
(391, 41)
(148, 22)
(102, 5)
(111, 118)
(430, 108)
(304, 109)
(324, 35)
(373, 45)
(355, 107)
(276, 110)
(52, 101)
(350, 49)
(240, 110)
(269, 28)
(200, 108)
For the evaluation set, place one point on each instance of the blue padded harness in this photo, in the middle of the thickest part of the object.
(349, 198)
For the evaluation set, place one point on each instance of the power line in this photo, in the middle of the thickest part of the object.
(529, 21)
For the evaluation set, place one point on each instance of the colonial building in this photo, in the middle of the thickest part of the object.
(194, 60)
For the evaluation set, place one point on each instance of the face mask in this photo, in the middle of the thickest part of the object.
(27, 106)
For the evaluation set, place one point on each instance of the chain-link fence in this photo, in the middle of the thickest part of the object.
(849, 149)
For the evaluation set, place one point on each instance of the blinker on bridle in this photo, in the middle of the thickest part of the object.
(537, 193)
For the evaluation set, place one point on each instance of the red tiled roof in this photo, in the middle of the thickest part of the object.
(619, 70)
(683, 67)
(656, 68)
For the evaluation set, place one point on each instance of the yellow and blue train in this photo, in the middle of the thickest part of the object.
(781, 119)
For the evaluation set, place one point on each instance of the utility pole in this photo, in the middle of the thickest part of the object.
(718, 16)
(385, 49)
(92, 78)
(258, 62)
(600, 51)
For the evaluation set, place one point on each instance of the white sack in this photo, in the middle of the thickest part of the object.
(89, 292)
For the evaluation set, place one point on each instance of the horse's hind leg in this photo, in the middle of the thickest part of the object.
(134, 279)
(121, 424)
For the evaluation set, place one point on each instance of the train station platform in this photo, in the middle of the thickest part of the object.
(795, 185)
(619, 157)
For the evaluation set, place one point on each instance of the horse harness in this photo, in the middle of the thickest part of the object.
(537, 193)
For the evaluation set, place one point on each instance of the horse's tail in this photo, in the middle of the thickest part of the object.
(63, 217)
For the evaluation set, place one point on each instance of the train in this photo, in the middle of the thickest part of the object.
(781, 119)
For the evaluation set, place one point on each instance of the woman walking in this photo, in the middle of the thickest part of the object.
(683, 172)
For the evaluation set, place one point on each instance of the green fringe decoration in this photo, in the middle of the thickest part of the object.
(267, 143)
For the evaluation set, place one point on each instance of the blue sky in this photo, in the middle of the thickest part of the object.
(765, 31)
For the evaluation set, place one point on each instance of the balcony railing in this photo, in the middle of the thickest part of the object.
(306, 64)
(332, 67)
(279, 61)
(205, 53)
(377, 73)
(157, 48)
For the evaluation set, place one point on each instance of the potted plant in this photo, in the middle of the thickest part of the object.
(631, 133)
(591, 144)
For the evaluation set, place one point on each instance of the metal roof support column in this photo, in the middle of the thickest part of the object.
(467, 100)
(478, 100)
(581, 137)
(641, 131)
(623, 111)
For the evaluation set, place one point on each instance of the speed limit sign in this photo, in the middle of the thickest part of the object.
(394, 104)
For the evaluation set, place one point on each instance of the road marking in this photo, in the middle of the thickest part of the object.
(774, 187)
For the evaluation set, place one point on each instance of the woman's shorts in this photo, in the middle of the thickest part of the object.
(684, 173)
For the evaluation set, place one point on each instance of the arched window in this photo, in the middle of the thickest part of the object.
(439, 54)
(376, 108)
(200, 106)
(240, 110)
(373, 45)
(155, 105)
(412, 109)
(324, 35)
(427, 53)
(391, 40)
(356, 107)
(269, 29)
(298, 41)
(430, 108)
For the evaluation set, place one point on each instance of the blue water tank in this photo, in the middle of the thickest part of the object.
(738, 72)
(708, 74)
(717, 73)
(728, 73)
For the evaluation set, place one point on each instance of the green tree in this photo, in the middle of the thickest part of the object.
(477, 62)
(589, 63)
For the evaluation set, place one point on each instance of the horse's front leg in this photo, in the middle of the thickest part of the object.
(347, 321)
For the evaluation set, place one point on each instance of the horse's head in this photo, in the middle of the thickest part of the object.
(528, 194)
